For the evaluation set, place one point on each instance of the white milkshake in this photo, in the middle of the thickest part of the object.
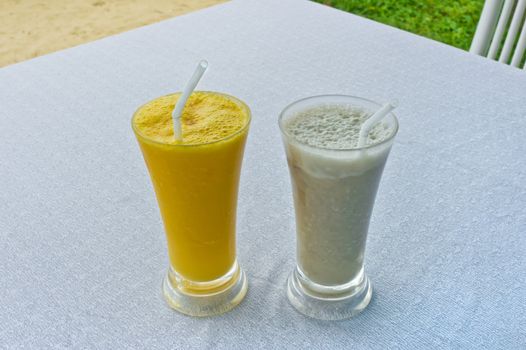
(334, 186)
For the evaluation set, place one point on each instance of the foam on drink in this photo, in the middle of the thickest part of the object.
(334, 127)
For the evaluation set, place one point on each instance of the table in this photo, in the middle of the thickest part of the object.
(83, 251)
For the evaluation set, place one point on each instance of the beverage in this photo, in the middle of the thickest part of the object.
(334, 186)
(196, 183)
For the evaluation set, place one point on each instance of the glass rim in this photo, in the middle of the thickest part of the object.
(236, 100)
(291, 137)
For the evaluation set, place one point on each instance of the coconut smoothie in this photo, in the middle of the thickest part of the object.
(334, 186)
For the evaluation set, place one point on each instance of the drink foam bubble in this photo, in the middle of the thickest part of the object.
(334, 126)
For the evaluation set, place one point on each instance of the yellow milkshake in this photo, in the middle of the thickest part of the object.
(196, 178)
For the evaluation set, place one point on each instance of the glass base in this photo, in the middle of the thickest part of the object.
(205, 298)
(328, 302)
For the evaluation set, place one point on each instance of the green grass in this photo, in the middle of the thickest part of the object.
(450, 21)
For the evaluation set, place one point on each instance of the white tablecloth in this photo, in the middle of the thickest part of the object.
(82, 245)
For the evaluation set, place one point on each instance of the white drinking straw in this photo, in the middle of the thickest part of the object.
(370, 122)
(188, 89)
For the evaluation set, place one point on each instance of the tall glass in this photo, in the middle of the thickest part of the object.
(334, 192)
(196, 187)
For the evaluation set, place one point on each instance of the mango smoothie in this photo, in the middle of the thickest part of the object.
(196, 178)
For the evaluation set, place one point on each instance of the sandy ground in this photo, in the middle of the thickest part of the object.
(30, 28)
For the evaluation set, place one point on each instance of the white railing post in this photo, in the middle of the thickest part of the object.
(512, 31)
(486, 26)
(520, 48)
(501, 28)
